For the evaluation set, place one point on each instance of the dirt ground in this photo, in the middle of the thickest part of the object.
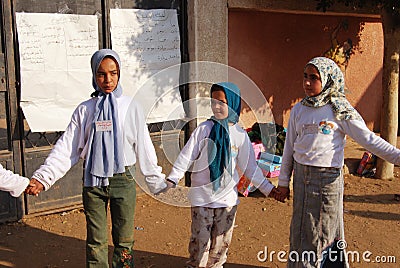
(372, 224)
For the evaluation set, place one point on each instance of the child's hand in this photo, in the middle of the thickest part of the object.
(280, 193)
(285, 193)
(170, 185)
(34, 187)
(276, 194)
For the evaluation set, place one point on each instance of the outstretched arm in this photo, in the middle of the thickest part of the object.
(63, 156)
(12, 183)
(140, 141)
(359, 132)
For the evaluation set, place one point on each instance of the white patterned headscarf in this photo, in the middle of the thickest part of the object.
(332, 90)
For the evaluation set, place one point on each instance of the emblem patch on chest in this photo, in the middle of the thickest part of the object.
(326, 127)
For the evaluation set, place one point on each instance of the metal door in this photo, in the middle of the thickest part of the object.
(66, 193)
(23, 151)
(10, 143)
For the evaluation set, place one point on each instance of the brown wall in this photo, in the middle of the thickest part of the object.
(272, 49)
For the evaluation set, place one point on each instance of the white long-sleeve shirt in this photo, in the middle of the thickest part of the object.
(194, 157)
(11, 182)
(316, 138)
(73, 144)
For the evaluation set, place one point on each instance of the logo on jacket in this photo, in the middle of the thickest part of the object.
(326, 127)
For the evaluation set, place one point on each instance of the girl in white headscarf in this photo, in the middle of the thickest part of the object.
(110, 133)
(314, 152)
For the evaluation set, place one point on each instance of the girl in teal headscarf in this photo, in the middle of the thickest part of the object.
(217, 149)
(219, 154)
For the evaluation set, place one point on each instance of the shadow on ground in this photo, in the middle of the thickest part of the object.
(45, 249)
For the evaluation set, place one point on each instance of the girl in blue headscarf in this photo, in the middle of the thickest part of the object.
(109, 132)
(314, 156)
(218, 151)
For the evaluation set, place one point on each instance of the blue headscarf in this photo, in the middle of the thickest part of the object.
(332, 90)
(105, 155)
(219, 150)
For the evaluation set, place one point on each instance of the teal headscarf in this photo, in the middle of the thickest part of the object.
(219, 149)
(332, 90)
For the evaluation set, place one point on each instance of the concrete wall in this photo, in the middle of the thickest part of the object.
(207, 42)
(272, 49)
(270, 42)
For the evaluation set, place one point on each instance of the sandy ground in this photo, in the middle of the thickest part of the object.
(372, 224)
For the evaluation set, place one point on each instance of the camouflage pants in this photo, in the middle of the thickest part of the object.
(212, 230)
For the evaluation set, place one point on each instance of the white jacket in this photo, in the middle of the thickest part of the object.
(316, 138)
(73, 144)
(194, 157)
(13, 183)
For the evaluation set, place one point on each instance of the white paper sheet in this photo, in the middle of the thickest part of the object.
(148, 44)
(55, 52)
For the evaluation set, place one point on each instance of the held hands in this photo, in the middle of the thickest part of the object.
(285, 193)
(34, 187)
(275, 193)
(170, 185)
(280, 193)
